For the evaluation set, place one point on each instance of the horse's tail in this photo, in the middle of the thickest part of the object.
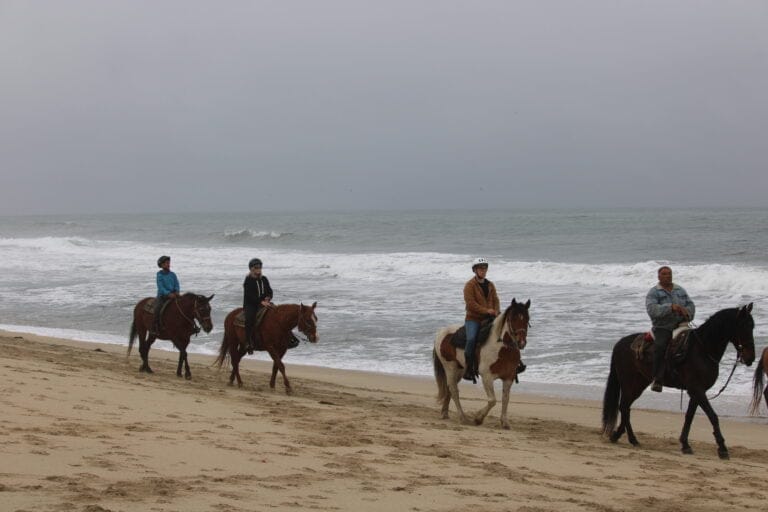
(223, 356)
(757, 388)
(132, 336)
(611, 398)
(440, 377)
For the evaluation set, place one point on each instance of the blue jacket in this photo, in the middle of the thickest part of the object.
(167, 283)
(659, 302)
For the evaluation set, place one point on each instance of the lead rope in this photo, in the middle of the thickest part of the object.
(727, 381)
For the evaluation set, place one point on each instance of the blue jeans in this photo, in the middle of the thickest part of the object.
(472, 327)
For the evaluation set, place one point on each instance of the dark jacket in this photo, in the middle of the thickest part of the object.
(255, 291)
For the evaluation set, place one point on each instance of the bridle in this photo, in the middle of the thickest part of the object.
(298, 323)
(516, 334)
(196, 315)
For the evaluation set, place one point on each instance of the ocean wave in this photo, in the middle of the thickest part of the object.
(247, 234)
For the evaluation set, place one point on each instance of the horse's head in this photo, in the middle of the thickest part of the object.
(308, 322)
(742, 338)
(516, 321)
(203, 311)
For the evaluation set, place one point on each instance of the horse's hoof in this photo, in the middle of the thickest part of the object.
(723, 454)
(444, 416)
(687, 450)
(188, 377)
(614, 437)
(505, 426)
(479, 421)
(634, 442)
(146, 369)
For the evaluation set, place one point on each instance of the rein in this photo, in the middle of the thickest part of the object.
(191, 321)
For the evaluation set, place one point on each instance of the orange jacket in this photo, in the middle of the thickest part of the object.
(477, 304)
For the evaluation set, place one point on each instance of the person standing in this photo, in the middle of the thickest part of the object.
(668, 305)
(167, 288)
(257, 294)
(481, 303)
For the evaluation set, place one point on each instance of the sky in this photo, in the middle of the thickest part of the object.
(183, 105)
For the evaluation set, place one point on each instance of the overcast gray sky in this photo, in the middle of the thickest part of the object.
(123, 106)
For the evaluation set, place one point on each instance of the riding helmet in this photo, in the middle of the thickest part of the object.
(162, 259)
(479, 262)
(255, 262)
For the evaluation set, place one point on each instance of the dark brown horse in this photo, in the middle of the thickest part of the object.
(629, 376)
(275, 332)
(178, 325)
(762, 368)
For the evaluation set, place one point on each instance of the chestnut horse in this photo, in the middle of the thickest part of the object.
(275, 330)
(629, 376)
(498, 357)
(178, 324)
(762, 368)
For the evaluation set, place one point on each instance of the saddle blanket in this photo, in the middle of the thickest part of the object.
(676, 349)
(240, 318)
(459, 338)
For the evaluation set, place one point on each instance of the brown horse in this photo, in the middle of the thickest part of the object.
(629, 376)
(178, 324)
(762, 368)
(275, 331)
(498, 357)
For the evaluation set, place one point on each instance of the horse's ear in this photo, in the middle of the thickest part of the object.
(211, 297)
(528, 304)
(749, 307)
(314, 305)
(513, 302)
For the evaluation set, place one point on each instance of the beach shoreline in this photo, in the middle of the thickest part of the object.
(83, 429)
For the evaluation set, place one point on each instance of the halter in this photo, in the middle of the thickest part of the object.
(298, 324)
(196, 315)
(515, 333)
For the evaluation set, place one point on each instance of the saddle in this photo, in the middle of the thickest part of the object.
(293, 341)
(240, 318)
(149, 306)
(459, 338)
(677, 349)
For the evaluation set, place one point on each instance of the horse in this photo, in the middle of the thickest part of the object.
(275, 330)
(762, 368)
(498, 357)
(629, 375)
(178, 324)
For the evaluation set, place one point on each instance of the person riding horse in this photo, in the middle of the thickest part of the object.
(257, 294)
(668, 305)
(167, 288)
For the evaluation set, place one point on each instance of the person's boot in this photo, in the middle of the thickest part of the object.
(658, 372)
(521, 367)
(469, 370)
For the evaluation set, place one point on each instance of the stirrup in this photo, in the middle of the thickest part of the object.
(521, 368)
(656, 386)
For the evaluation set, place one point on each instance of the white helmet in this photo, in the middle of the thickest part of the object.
(478, 262)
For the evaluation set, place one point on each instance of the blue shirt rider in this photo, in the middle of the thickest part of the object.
(167, 289)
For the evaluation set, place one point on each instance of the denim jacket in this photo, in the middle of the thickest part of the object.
(659, 302)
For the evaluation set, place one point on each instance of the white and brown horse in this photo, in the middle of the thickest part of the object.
(498, 357)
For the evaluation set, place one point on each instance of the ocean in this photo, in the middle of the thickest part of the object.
(385, 281)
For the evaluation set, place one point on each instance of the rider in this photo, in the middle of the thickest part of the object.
(167, 288)
(257, 293)
(668, 305)
(482, 302)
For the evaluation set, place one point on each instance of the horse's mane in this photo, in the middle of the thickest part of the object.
(500, 321)
(718, 320)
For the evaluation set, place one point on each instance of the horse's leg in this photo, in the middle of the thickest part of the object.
(628, 397)
(765, 394)
(454, 375)
(722, 450)
(144, 345)
(491, 394)
(505, 387)
(234, 357)
(187, 371)
(277, 364)
(181, 362)
(693, 404)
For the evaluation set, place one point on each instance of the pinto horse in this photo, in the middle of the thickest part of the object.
(178, 325)
(498, 357)
(629, 376)
(762, 368)
(275, 330)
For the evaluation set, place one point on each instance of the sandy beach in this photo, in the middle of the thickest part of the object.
(82, 430)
